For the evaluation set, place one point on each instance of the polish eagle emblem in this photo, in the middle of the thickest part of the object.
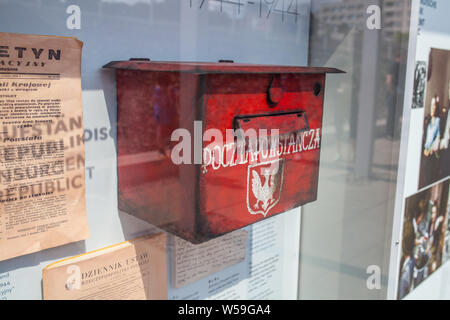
(266, 182)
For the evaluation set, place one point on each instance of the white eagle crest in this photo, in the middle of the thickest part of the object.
(264, 193)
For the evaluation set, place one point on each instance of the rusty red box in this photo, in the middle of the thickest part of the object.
(208, 148)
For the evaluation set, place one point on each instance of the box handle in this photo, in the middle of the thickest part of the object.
(285, 122)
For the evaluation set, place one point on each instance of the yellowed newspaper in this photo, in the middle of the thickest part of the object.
(132, 270)
(42, 188)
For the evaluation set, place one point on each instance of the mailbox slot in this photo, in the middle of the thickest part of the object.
(284, 122)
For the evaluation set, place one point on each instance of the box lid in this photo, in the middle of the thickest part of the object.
(213, 67)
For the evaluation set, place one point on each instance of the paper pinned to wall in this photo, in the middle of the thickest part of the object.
(42, 187)
(193, 262)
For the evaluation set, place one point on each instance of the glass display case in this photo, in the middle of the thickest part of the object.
(209, 149)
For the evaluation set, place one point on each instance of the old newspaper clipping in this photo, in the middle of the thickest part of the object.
(42, 188)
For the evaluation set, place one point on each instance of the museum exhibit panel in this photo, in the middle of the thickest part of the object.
(236, 150)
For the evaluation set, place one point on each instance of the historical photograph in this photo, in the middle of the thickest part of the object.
(436, 136)
(446, 253)
(420, 82)
(424, 227)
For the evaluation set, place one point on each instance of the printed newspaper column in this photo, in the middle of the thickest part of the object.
(42, 189)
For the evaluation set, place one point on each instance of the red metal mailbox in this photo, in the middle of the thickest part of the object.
(208, 148)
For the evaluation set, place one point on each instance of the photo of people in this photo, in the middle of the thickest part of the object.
(424, 229)
(446, 253)
(435, 157)
(420, 81)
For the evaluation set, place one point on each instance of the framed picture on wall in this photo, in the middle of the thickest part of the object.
(435, 154)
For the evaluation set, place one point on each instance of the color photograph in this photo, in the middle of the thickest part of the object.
(436, 137)
(424, 227)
